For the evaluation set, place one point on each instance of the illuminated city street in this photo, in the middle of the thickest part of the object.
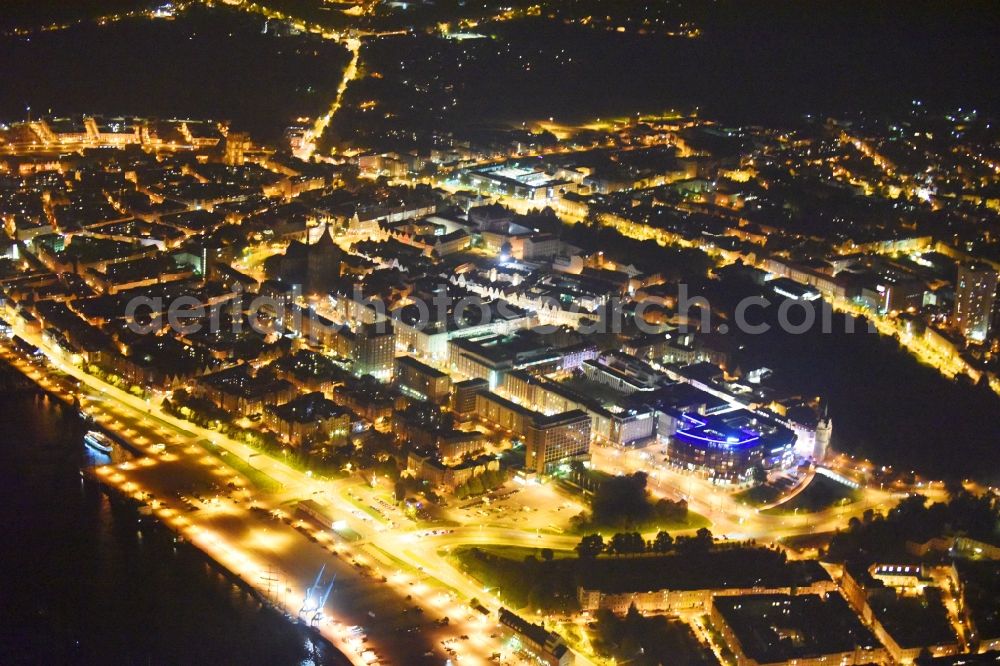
(534, 334)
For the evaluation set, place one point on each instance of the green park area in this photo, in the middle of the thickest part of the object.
(759, 496)
(623, 504)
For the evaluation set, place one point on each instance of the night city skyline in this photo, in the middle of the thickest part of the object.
(464, 332)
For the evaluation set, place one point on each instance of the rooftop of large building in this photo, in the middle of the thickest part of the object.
(517, 348)
(239, 381)
(420, 367)
(773, 628)
(308, 408)
(536, 633)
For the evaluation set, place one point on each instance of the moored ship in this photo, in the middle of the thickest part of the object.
(98, 441)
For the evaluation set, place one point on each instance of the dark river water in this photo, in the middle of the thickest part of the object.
(84, 580)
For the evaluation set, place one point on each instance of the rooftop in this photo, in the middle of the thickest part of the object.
(774, 628)
(308, 408)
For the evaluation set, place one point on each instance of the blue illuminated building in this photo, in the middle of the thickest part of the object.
(729, 445)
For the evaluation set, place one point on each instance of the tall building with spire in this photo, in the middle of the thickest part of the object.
(824, 432)
(323, 263)
(237, 143)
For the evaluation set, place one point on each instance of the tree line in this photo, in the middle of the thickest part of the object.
(633, 543)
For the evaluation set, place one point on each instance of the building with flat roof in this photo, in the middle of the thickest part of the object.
(463, 400)
(421, 381)
(549, 440)
(791, 289)
(975, 294)
(557, 439)
(622, 373)
(428, 334)
(614, 418)
(525, 180)
(490, 357)
(373, 348)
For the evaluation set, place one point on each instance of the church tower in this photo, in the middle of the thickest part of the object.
(824, 431)
(323, 263)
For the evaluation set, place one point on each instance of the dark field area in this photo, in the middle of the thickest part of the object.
(756, 62)
(33, 13)
(204, 64)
